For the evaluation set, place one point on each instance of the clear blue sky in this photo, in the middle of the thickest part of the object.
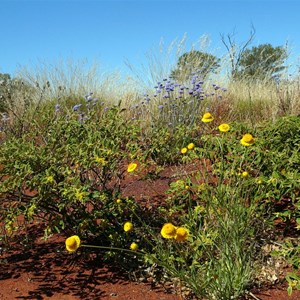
(112, 31)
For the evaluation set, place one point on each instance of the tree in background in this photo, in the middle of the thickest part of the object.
(235, 50)
(5, 83)
(195, 61)
(262, 62)
(14, 92)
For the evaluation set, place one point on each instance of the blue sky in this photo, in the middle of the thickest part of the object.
(114, 31)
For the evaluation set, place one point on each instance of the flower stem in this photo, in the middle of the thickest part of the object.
(112, 248)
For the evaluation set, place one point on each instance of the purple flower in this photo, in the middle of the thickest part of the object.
(76, 107)
(160, 106)
(57, 108)
(89, 98)
(81, 118)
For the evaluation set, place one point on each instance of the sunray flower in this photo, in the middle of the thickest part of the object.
(72, 243)
(245, 174)
(191, 146)
(131, 167)
(181, 234)
(247, 140)
(184, 150)
(128, 227)
(207, 117)
(168, 231)
(134, 246)
(224, 127)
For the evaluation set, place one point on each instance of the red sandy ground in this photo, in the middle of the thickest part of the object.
(44, 270)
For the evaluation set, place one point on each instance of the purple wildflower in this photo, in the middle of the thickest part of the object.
(57, 108)
(76, 107)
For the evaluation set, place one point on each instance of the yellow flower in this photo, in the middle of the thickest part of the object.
(168, 231)
(131, 167)
(134, 246)
(128, 227)
(247, 139)
(207, 117)
(245, 174)
(224, 127)
(184, 150)
(118, 201)
(259, 181)
(72, 243)
(181, 234)
(191, 146)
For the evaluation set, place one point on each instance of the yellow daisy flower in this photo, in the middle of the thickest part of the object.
(191, 146)
(247, 140)
(181, 234)
(134, 246)
(72, 243)
(168, 231)
(118, 201)
(245, 174)
(224, 127)
(131, 167)
(128, 227)
(184, 150)
(207, 117)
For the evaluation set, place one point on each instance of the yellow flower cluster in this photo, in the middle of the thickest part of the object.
(169, 231)
(190, 146)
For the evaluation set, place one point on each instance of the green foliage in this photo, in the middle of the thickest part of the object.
(262, 61)
(193, 61)
(68, 173)
(216, 260)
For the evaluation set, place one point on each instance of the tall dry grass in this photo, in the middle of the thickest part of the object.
(66, 83)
